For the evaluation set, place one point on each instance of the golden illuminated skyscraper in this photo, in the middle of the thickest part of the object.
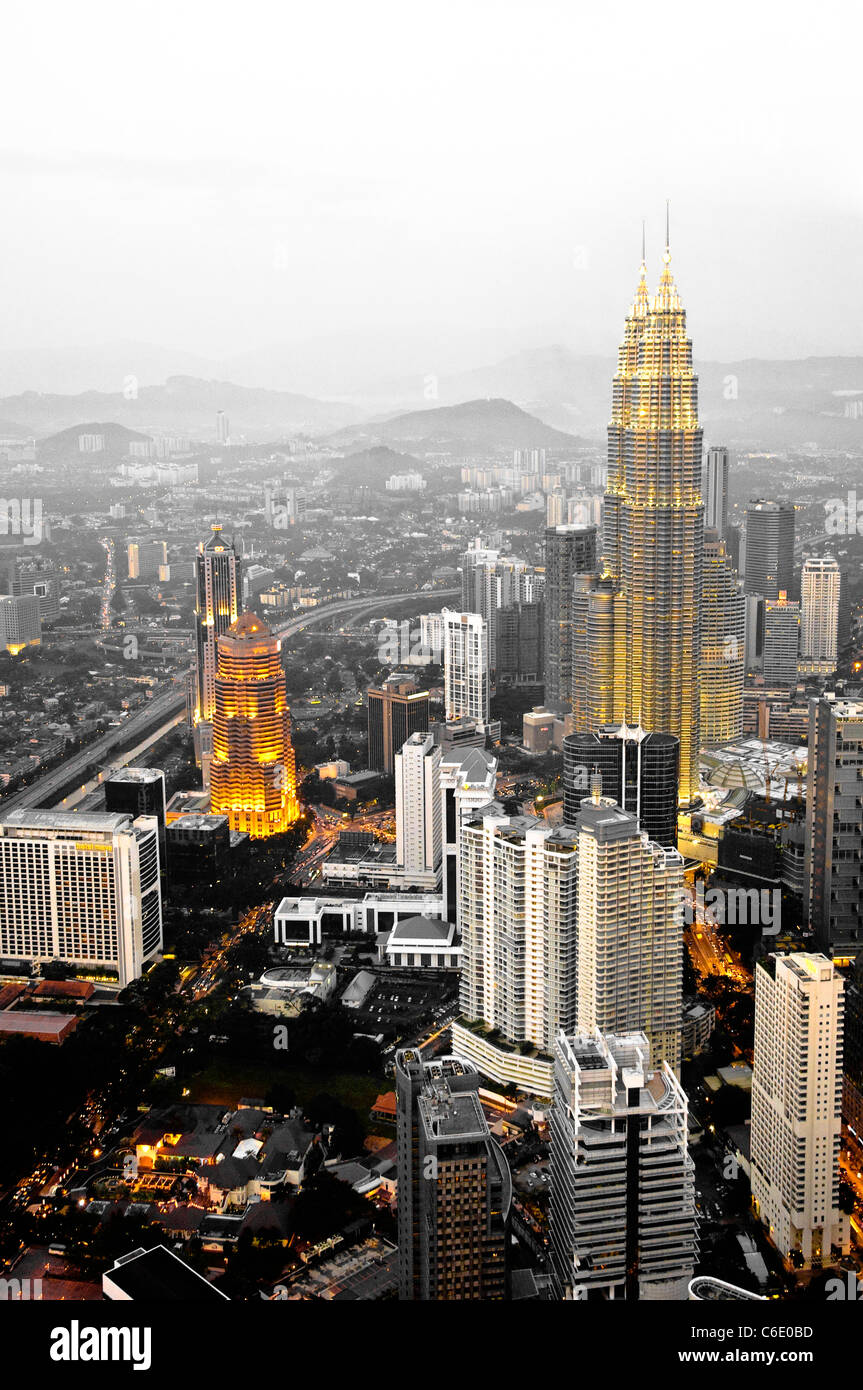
(253, 779)
(653, 521)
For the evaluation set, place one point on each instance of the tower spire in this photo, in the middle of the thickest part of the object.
(668, 224)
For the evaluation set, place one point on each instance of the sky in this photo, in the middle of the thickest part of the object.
(383, 187)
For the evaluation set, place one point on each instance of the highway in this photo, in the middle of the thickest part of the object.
(168, 709)
(47, 789)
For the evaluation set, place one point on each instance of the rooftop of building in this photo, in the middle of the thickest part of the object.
(142, 775)
(106, 822)
(159, 1275)
(448, 1114)
(422, 929)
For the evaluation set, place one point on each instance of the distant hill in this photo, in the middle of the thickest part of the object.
(184, 405)
(757, 401)
(65, 442)
(475, 424)
(372, 467)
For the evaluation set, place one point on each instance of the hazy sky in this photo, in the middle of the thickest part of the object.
(406, 186)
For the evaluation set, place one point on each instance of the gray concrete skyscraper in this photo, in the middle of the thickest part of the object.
(723, 645)
(716, 490)
(454, 1185)
(569, 550)
(834, 826)
(218, 598)
(769, 552)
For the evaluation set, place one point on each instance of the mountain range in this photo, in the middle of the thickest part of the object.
(754, 403)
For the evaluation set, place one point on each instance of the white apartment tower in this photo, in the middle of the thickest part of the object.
(622, 1215)
(466, 666)
(418, 808)
(630, 930)
(820, 584)
(796, 1107)
(82, 888)
(517, 913)
(467, 783)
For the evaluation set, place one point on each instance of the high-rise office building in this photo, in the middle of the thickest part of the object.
(834, 826)
(396, 709)
(653, 523)
(852, 1053)
(20, 622)
(454, 1185)
(820, 587)
(491, 582)
(555, 507)
(432, 636)
(797, 1107)
(715, 490)
(138, 791)
(569, 550)
(638, 771)
(769, 549)
(253, 778)
(82, 888)
(466, 666)
(147, 559)
(622, 1214)
(781, 642)
(218, 597)
(596, 676)
(520, 644)
(37, 577)
(754, 632)
(223, 429)
(629, 930)
(467, 783)
(419, 842)
(723, 645)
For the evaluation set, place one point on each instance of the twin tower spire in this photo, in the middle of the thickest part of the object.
(666, 296)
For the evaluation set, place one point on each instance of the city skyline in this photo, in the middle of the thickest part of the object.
(431, 740)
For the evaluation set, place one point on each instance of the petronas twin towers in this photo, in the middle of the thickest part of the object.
(641, 632)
